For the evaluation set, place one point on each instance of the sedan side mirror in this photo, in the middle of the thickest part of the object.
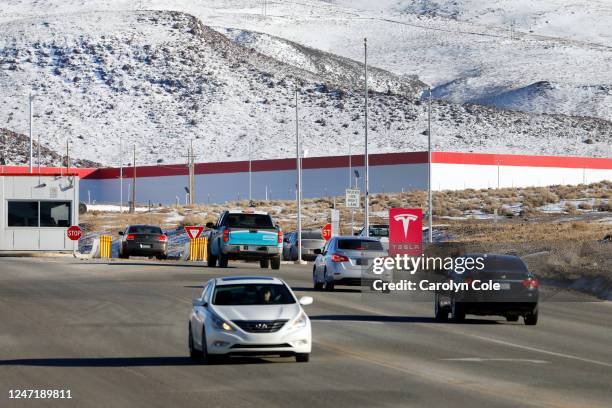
(120, 232)
(199, 302)
(317, 251)
(210, 225)
(306, 300)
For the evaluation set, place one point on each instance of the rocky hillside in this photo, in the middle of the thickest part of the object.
(158, 79)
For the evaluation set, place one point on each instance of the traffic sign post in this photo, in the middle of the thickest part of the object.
(194, 232)
(74, 233)
(326, 232)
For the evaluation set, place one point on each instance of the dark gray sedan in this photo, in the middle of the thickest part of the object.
(143, 240)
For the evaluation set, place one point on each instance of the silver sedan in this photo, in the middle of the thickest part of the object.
(347, 261)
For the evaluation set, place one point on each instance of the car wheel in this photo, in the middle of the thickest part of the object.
(223, 261)
(275, 263)
(162, 257)
(457, 311)
(302, 357)
(512, 318)
(194, 354)
(211, 261)
(264, 263)
(440, 313)
(531, 319)
(317, 285)
(329, 283)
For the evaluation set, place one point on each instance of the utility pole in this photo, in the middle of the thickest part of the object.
(429, 194)
(31, 101)
(351, 182)
(67, 157)
(250, 177)
(298, 154)
(121, 174)
(367, 164)
(133, 204)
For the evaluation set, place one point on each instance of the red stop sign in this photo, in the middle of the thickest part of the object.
(74, 233)
(326, 232)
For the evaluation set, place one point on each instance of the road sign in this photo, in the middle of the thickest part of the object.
(353, 198)
(326, 232)
(405, 231)
(194, 232)
(74, 233)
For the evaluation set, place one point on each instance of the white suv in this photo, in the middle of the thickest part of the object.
(249, 315)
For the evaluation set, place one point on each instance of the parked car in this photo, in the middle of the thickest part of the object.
(311, 240)
(245, 235)
(143, 240)
(347, 261)
(245, 315)
(518, 295)
(380, 231)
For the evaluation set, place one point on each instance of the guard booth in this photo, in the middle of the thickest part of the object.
(37, 209)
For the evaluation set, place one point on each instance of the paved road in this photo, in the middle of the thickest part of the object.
(115, 335)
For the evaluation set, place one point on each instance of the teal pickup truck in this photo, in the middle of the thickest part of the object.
(244, 235)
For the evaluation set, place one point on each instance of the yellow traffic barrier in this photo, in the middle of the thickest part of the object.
(198, 249)
(106, 245)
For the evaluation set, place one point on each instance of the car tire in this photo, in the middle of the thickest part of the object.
(316, 285)
(264, 263)
(275, 263)
(329, 283)
(531, 319)
(512, 318)
(302, 357)
(440, 313)
(194, 354)
(212, 261)
(162, 257)
(223, 261)
(457, 312)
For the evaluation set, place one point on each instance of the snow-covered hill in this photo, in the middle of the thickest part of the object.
(157, 79)
(471, 50)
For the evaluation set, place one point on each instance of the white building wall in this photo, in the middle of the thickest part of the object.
(461, 176)
(36, 188)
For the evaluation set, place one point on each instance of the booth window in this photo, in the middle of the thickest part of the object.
(39, 214)
(22, 214)
(54, 214)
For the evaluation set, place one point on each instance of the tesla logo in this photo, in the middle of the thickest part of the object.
(261, 326)
(405, 231)
(405, 220)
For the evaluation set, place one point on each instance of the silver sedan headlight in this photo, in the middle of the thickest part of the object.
(220, 323)
(300, 321)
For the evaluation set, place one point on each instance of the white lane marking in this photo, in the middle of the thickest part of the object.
(345, 321)
(510, 360)
(539, 350)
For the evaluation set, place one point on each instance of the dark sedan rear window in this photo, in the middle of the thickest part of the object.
(144, 229)
(359, 245)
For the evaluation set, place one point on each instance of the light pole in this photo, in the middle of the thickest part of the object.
(429, 195)
(367, 164)
(31, 104)
(250, 177)
(298, 154)
(121, 175)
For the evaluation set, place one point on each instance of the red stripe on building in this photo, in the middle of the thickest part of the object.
(522, 160)
(328, 162)
(45, 171)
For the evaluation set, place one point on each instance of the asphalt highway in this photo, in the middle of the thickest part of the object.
(114, 334)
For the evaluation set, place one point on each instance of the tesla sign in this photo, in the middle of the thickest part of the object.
(405, 231)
